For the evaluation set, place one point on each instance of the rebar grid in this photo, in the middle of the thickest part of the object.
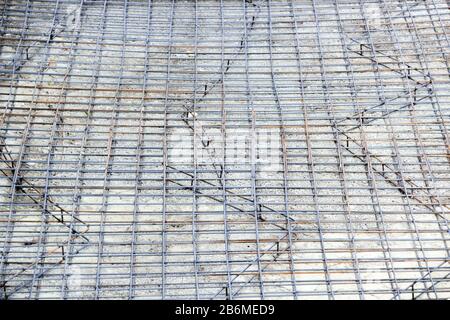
(96, 94)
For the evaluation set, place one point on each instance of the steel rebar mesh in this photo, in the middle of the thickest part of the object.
(225, 149)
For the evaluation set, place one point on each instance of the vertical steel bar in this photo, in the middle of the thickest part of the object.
(284, 153)
(165, 151)
(110, 153)
(223, 178)
(195, 156)
(77, 194)
(139, 152)
(253, 150)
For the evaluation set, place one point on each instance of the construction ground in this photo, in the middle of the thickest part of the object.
(294, 149)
